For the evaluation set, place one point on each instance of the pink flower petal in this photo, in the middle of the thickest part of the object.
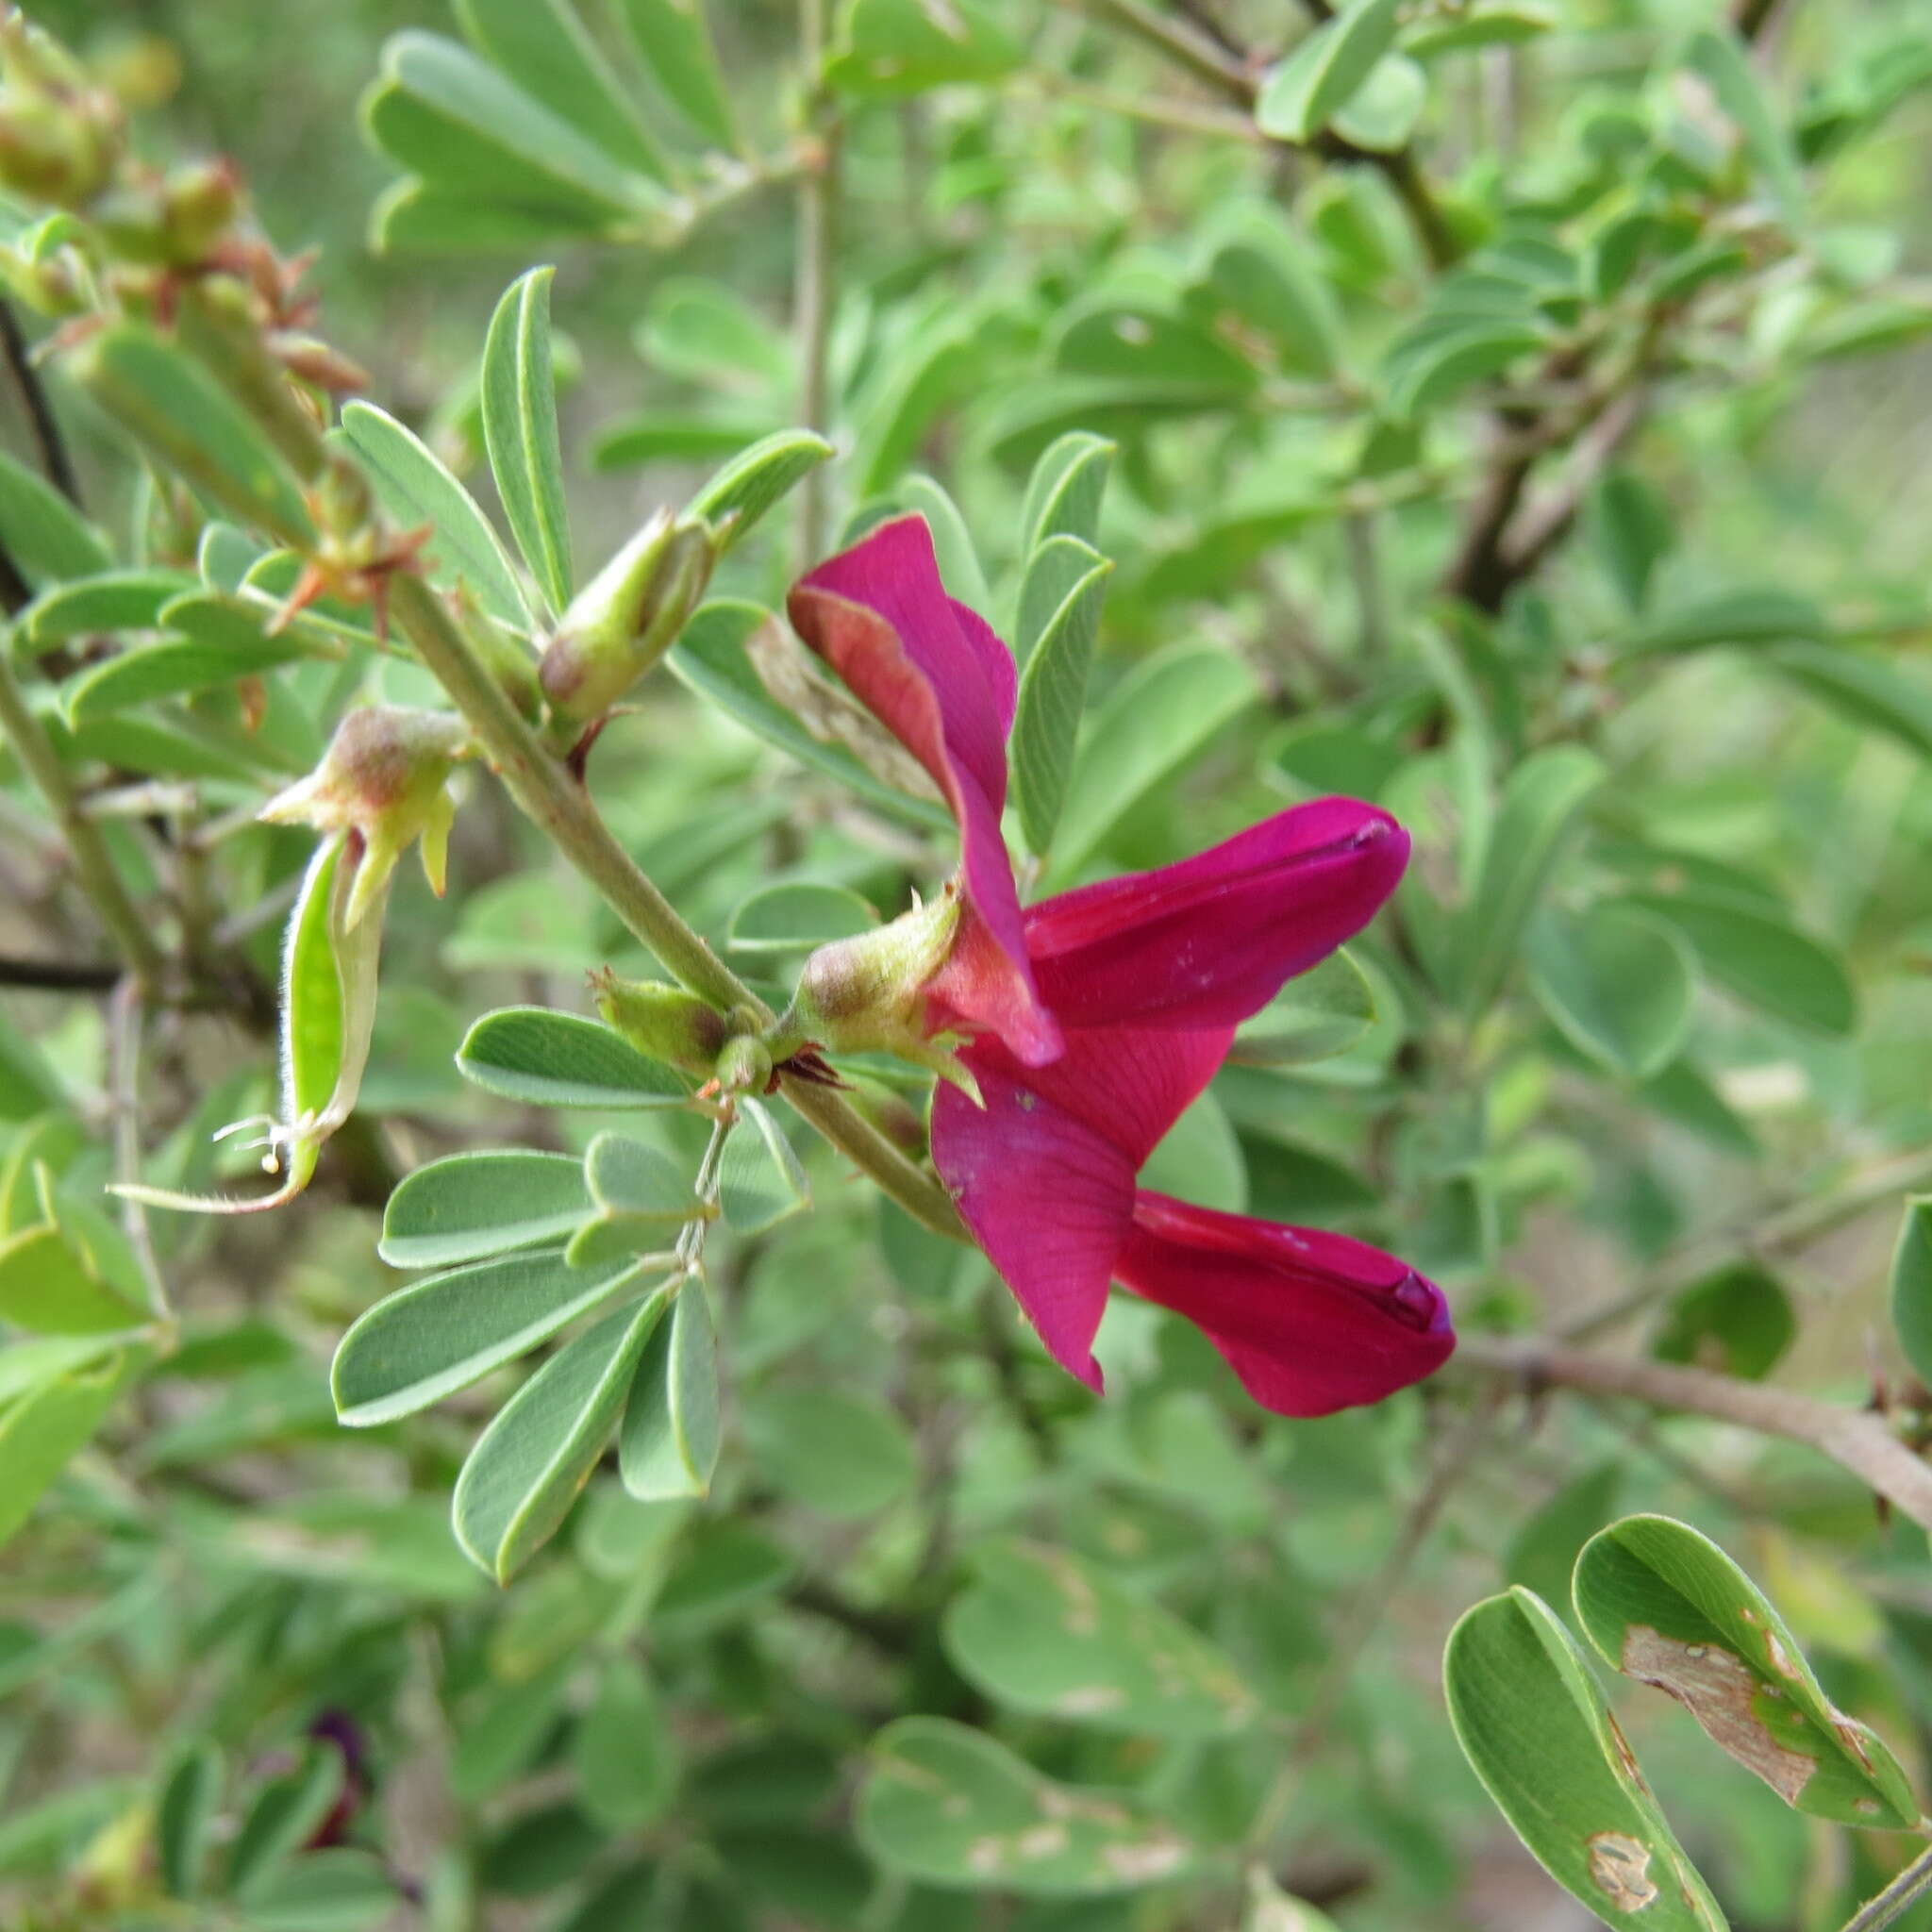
(1311, 1322)
(1044, 1175)
(1211, 941)
(935, 675)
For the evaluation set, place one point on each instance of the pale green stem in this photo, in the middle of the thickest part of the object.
(1905, 1890)
(93, 866)
(556, 801)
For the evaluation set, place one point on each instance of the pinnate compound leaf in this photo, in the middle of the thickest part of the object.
(948, 1805)
(553, 1059)
(529, 1464)
(1162, 715)
(439, 1335)
(46, 537)
(416, 487)
(1618, 982)
(1535, 1728)
(1322, 76)
(520, 429)
(1057, 649)
(1911, 1286)
(1540, 806)
(469, 1206)
(668, 1445)
(1664, 1605)
(1048, 1632)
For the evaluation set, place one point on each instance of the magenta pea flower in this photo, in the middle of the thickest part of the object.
(1148, 976)
(937, 678)
(1087, 1025)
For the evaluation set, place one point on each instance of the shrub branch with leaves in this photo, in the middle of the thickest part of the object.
(1387, 856)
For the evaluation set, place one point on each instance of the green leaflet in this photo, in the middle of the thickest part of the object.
(520, 427)
(528, 1465)
(668, 1445)
(1665, 1606)
(1533, 1726)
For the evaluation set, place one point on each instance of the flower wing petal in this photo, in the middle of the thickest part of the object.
(1043, 1173)
(1211, 941)
(1311, 1323)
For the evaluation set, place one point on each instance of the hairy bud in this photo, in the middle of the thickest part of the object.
(867, 994)
(626, 617)
(59, 134)
(385, 776)
(663, 1023)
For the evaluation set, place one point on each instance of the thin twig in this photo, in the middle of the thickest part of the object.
(126, 1012)
(1911, 1885)
(60, 975)
(1856, 1441)
(1763, 1234)
(93, 866)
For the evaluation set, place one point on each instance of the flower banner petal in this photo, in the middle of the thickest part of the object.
(1211, 941)
(936, 675)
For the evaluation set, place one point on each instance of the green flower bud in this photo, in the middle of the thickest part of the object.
(867, 994)
(663, 1023)
(745, 1065)
(385, 776)
(59, 134)
(626, 617)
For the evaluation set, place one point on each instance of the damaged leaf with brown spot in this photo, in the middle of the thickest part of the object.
(1669, 1608)
(1044, 1630)
(948, 1805)
(1533, 1725)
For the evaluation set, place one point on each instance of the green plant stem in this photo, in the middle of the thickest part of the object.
(1910, 1885)
(93, 866)
(550, 796)
(814, 284)
(1855, 1439)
